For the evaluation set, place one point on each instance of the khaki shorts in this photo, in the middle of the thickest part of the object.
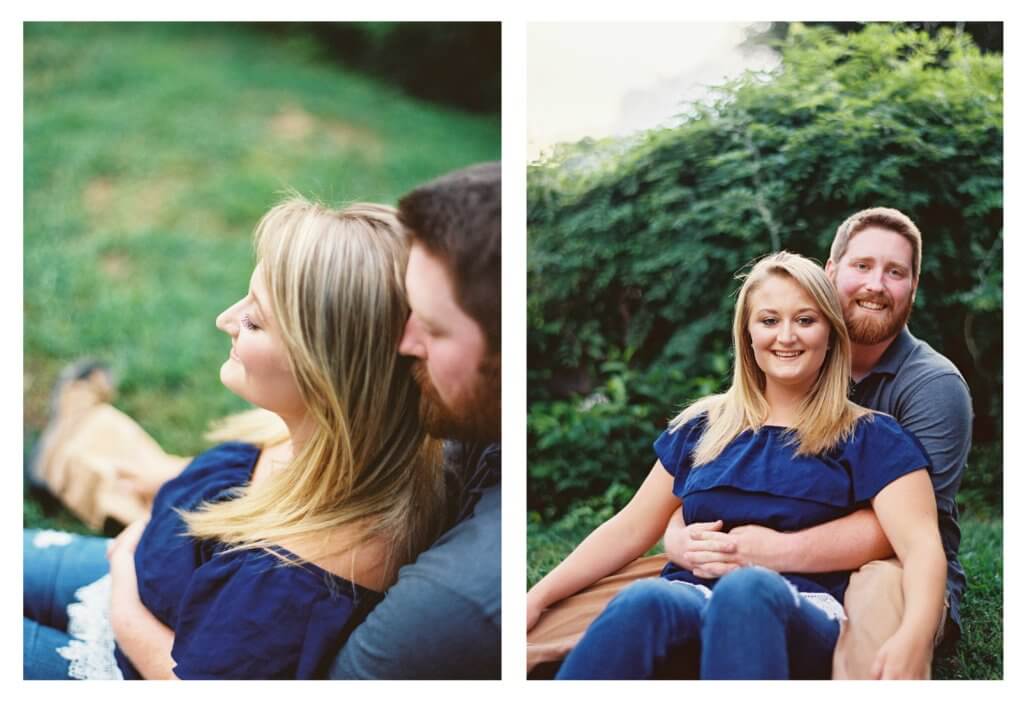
(561, 626)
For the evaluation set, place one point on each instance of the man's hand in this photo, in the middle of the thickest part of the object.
(757, 545)
(706, 551)
(903, 656)
(700, 547)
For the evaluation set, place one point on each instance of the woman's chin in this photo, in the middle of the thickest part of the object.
(229, 375)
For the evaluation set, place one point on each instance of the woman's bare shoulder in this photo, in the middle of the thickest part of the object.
(364, 564)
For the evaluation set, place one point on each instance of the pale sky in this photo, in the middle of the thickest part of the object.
(612, 79)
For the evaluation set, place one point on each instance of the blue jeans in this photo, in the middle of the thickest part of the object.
(56, 565)
(753, 627)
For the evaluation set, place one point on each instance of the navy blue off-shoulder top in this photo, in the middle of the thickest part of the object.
(757, 479)
(239, 615)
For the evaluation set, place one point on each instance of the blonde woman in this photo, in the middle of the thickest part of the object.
(260, 557)
(783, 447)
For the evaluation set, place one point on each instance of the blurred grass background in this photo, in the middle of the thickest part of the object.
(151, 151)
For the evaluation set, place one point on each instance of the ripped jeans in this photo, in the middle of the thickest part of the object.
(754, 626)
(56, 566)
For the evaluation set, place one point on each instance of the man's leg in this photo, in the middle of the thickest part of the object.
(561, 626)
(874, 607)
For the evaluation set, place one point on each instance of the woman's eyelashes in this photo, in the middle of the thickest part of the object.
(800, 320)
(247, 323)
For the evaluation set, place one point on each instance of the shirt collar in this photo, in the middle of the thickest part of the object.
(893, 357)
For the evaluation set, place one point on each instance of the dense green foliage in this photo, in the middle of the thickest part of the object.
(633, 246)
(455, 63)
(151, 151)
(988, 36)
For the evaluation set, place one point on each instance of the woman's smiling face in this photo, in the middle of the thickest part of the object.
(257, 368)
(788, 332)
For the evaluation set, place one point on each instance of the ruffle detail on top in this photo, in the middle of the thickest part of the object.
(91, 650)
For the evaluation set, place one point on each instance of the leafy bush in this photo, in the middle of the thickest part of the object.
(584, 446)
(981, 492)
(633, 245)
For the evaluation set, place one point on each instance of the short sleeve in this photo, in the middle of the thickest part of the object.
(674, 448)
(881, 452)
(938, 412)
(245, 616)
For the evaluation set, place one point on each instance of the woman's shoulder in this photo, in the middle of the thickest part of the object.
(364, 564)
(276, 572)
(878, 435)
(238, 450)
(208, 475)
(878, 428)
(230, 454)
(693, 420)
(675, 446)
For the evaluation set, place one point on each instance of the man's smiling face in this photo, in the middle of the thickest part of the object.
(876, 285)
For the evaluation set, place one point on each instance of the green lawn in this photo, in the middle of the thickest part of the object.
(150, 153)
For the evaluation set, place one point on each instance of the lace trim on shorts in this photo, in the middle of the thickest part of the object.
(826, 602)
(50, 538)
(91, 649)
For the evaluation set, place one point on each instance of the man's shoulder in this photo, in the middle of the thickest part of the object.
(474, 536)
(923, 365)
(466, 560)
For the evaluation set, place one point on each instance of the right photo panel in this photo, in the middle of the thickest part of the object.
(765, 350)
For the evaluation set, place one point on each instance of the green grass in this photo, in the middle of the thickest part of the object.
(151, 150)
(979, 655)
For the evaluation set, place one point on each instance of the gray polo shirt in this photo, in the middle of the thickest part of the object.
(442, 618)
(925, 392)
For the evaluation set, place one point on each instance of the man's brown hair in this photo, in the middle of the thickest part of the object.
(457, 217)
(883, 218)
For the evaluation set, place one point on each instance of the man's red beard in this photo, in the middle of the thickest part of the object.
(867, 328)
(476, 417)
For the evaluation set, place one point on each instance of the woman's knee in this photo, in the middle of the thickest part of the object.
(656, 600)
(754, 587)
(40, 659)
(640, 595)
(55, 566)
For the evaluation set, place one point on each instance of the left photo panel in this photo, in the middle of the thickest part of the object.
(262, 350)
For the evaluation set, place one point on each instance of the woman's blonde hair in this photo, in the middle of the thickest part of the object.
(826, 416)
(335, 279)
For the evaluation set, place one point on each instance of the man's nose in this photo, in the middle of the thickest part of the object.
(411, 343)
(874, 279)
